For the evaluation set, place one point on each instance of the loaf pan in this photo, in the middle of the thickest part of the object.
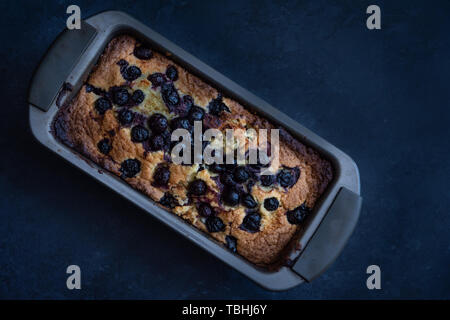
(66, 66)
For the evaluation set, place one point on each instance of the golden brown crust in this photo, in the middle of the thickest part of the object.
(81, 127)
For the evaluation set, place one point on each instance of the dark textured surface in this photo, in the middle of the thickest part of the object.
(381, 96)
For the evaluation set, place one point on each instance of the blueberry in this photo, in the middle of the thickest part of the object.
(205, 210)
(288, 177)
(137, 97)
(267, 180)
(227, 178)
(251, 222)
(196, 114)
(104, 146)
(139, 133)
(230, 197)
(217, 168)
(284, 178)
(157, 142)
(170, 95)
(181, 123)
(197, 187)
(130, 168)
(131, 73)
(172, 73)
(254, 167)
(166, 134)
(188, 102)
(97, 91)
(126, 117)
(248, 201)
(158, 122)
(271, 204)
(142, 53)
(298, 215)
(250, 185)
(102, 104)
(231, 243)
(214, 224)
(161, 175)
(168, 201)
(89, 88)
(120, 96)
(123, 64)
(240, 174)
(156, 79)
(216, 106)
(173, 98)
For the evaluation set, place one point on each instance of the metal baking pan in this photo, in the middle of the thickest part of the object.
(67, 64)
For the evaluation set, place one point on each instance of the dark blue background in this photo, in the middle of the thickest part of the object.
(381, 96)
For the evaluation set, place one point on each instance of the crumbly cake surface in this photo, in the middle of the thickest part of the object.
(97, 124)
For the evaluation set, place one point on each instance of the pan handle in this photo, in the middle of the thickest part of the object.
(331, 236)
(57, 64)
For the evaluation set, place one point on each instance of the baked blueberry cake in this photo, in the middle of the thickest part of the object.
(122, 119)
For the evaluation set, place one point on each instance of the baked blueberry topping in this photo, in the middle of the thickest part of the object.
(227, 178)
(161, 175)
(230, 197)
(130, 168)
(158, 122)
(284, 177)
(122, 63)
(251, 222)
(248, 201)
(89, 88)
(170, 95)
(188, 102)
(156, 79)
(142, 53)
(139, 133)
(197, 187)
(214, 224)
(216, 106)
(181, 123)
(250, 185)
(137, 97)
(168, 201)
(240, 174)
(231, 243)
(298, 215)
(102, 104)
(196, 114)
(104, 146)
(131, 73)
(205, 210)
(271, 204)
(166, 135)
(157, 142)
(97, 91)
(120, 96)
(267, 180)
(256, 168)
(287, 177)
(172, 73)
(126, 117)
(217, 168)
